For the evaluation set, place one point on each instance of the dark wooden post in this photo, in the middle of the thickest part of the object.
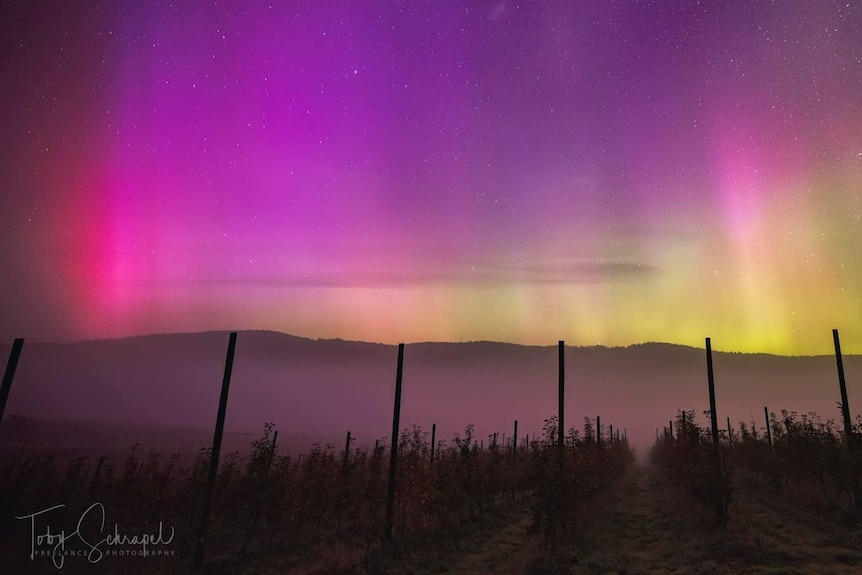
(684, 430)
(346, 455)
(272, 447)
(850, 438)
(611, 434)
(11, 366)
(768, 429)
(720, 504)
(729, 431)
(433, 439)
(713, 414)
(200, 547)
(98, 473)
(598, 432)
(670, 428)
(845, 406)
(562, 393)
(393, 456)
(515, 441)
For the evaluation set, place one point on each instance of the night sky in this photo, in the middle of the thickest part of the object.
(595, 171)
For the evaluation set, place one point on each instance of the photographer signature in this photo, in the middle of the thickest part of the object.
(94, 551)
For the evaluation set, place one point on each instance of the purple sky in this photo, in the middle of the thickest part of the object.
(599, 172)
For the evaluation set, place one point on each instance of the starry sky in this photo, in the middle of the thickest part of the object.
(603, 172)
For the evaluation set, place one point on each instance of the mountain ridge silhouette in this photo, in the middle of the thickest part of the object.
(328, 386)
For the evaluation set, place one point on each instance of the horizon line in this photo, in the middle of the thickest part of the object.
(426, 342)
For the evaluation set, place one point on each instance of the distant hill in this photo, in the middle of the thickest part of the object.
(326, 387)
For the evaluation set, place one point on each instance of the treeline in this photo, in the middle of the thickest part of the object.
(692, 460)
(274, 504)
(565, 476)
(798, 456)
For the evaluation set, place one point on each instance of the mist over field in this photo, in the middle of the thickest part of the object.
(317, 390)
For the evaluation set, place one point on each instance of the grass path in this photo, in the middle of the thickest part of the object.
(790, 539)
(639, 526)
(497, 543)
(508, 551)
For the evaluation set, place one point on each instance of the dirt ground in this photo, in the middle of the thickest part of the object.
(639, 526)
